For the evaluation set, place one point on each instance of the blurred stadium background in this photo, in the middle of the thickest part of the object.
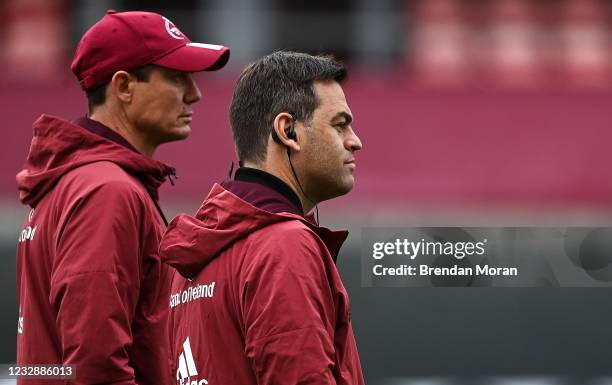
(472, 112)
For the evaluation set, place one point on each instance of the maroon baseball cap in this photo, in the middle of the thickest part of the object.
(129, 40)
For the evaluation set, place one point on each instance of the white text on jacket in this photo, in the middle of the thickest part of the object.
(192, 293)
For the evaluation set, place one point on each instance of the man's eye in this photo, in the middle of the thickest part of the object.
(341, 125)
(176, 77)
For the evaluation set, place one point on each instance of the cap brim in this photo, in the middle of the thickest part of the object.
(195, 57)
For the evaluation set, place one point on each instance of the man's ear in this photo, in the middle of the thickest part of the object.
(122, 85)
(281, 125)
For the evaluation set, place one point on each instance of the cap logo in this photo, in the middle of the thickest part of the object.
(172, 30)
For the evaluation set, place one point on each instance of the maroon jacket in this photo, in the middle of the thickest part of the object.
(92, 289)
(258, 299)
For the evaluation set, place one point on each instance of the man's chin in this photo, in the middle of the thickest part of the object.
(348, 184)
(180, 133)
(347, 188)
(341, 189)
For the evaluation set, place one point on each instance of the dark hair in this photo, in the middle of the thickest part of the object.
(279, 82)
(97, 96)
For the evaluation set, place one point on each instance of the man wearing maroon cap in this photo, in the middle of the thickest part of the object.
(92, 290)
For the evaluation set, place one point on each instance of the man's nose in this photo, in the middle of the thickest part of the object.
(353, 143)
(192, 93)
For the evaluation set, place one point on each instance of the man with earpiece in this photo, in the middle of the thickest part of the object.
(256, 297)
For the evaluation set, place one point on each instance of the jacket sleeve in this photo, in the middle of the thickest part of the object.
(289, 312)
(95, 283)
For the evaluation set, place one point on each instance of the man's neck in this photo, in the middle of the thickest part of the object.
(120, 124)
(103, 131)
(287, 176)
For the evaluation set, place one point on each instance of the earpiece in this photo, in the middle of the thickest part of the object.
(290, 131)
(291, 134)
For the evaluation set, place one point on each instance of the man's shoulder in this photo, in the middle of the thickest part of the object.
(288, 237)
(104, 175)
(101, 183)
(288, 248)
(290, 228)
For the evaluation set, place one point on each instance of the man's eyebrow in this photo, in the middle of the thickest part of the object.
(344, 115)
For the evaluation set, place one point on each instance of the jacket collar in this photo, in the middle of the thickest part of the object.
(268, 193)
(59, 146)
(264, 191)
(253, 175)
